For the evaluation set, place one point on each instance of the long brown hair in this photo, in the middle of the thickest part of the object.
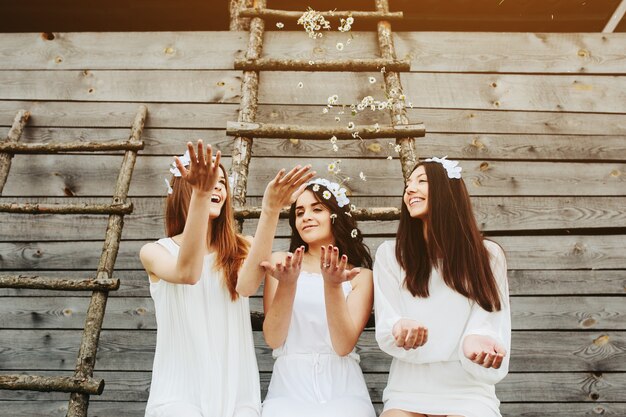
(454, 243)
(231, 248)
(341, 227)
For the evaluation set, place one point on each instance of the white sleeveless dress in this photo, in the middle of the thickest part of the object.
(204, 364)
(309, 379)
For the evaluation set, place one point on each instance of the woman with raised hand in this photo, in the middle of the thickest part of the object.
(317, 299)
(441, 302)
(204, 364)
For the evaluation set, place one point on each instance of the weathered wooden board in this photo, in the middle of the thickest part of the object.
(492, 213)
(134, 283)
(133, 350)
(588, 53)
(215, 116)
(531, 387)
(528, 313)
(463, 146)
(95, 175)
(523, 252)
(570, 93)
(137, 409)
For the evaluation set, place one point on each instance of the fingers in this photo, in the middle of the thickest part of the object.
(279, 175)
(287, 178)
(497, 361)
(180, 166)
(334, 257)
(218, 159)
(351, 274)
(201, 158)
(268, 267)
(411, 339)
(401, 337)
(324, 258)
(416, 337)
(192, 155)
(288, 259)
(298, 256)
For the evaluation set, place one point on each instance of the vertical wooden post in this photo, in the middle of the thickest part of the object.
(95, 313)
(408, 156)
(236, 22)
(242, 146)
(14, 135)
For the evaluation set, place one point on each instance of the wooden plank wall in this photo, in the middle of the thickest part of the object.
(537, 120)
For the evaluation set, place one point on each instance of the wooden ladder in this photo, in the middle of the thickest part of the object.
(247, 128)
(82, 384)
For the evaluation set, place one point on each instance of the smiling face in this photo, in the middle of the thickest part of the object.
(416, 193)
(218, 196)
(313, 221)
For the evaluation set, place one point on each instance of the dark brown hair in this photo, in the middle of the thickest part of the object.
(341, 227)
(231, 248)
(454, 243)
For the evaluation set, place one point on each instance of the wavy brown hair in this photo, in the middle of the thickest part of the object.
(231, 248)
(454, 243)
(357, 252)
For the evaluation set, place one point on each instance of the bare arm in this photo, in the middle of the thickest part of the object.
(346, 317)
(280, 192)
(279, 294)
(202, 175)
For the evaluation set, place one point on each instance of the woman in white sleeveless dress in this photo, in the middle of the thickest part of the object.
(204, 364)
(442, 303)
(316, 302)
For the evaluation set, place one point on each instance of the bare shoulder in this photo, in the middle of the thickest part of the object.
(150, 252)
(364, 278)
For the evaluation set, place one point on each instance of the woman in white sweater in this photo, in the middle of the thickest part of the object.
(441, 303)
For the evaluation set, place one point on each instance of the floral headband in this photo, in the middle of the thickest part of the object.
(451, 167)
(332, 187)
(185, 159)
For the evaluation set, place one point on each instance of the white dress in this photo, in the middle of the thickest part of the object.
(309, 379)
(437, 378)
(204, 364)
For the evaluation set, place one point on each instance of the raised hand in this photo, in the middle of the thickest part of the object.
(483, 351)
(409, 334)
(284, 189)
(335, 270)
(203, 172)
(287, 271)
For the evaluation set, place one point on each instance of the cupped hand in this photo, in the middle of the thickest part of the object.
(483, 351)
(203, 172)
(409, 334)
(287, 271)
(335, 270)
(285, 188)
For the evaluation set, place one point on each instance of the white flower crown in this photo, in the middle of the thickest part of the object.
(451, 167)
(185, 159)
(333, 187)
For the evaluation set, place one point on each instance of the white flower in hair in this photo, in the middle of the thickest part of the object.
(451, 167)
(185, 160)
(333, 187)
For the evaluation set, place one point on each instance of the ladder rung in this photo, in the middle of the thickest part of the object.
(353, 65)
(56, 383)
(293, 14)
(51, 148)
(283, 131)
(36, 208)
(372, 213)
(62, 284)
